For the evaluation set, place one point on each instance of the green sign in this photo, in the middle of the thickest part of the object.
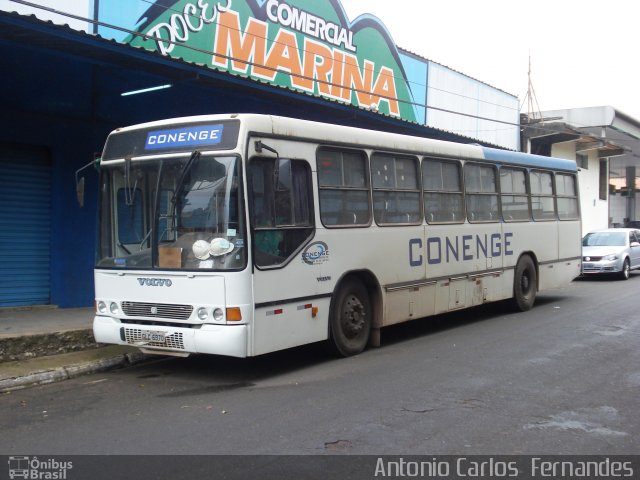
(307, 46)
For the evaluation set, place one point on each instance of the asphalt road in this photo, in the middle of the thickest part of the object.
(563, 378)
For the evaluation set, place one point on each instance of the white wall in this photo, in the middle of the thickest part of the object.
(595, 212)
(450, 91)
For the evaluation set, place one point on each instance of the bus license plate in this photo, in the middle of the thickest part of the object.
(153, 336)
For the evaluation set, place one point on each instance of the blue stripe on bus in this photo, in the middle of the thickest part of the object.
(529, 160)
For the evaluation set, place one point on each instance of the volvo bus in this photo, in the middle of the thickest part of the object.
(245, 234)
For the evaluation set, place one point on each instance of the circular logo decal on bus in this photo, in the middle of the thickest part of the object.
(315, 253)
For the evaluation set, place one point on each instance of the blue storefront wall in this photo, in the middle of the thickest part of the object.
(25, 225)
(44, 216)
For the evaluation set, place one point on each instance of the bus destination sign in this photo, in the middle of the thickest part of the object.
(192, 136)
(185, 137)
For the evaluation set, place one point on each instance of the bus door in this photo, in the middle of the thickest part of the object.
(281, 209)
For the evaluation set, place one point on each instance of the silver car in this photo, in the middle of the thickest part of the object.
(614, 250)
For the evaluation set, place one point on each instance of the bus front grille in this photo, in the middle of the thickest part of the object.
(157, 310)
(134, 337)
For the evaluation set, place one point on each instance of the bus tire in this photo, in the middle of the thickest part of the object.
(525, 284)
(349, 319)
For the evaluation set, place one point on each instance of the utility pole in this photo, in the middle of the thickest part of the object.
(534, 115)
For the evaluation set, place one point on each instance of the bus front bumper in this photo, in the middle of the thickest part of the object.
(230, 340)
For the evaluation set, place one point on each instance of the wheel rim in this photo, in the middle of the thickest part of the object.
(627, 269)
(353, 316)
(525, 282)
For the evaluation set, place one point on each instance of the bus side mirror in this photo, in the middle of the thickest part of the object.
(80, 180)
(80, 191)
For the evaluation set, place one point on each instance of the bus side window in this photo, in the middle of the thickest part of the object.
(343, 187)
(567, 197)
(259, 179)
(514, 198)
(442, 185)
(481, 193)
(396, 195)
(282, 208)
(542, 203)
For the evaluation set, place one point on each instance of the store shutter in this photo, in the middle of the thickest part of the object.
(25, 226)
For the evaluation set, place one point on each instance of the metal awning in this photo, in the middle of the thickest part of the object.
(95, 71)
(549, 133)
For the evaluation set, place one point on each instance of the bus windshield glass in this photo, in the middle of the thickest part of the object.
(172, 213)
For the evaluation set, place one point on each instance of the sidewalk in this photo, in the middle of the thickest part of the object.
(40, 345)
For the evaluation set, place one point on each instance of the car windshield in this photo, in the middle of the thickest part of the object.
(172, 213)
(604, 239)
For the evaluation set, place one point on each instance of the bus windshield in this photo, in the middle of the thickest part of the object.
(172, 213)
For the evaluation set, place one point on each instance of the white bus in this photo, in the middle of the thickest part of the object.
(245, 234)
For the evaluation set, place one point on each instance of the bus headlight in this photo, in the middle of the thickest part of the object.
(218, 315)
(102, 307)
(114, 309)
(202, 313)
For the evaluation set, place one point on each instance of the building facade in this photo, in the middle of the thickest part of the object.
(605, 142)
(75, 70)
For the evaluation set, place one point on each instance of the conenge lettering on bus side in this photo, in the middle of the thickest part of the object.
(458, 248)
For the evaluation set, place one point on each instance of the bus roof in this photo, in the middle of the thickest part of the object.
(272, 125)
(536, 161)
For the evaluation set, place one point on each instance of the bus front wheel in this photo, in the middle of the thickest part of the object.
(350, 319)
(525, 284)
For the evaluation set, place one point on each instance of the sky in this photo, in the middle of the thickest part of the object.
(583, 53)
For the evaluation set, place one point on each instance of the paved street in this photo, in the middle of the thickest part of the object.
(563, 378)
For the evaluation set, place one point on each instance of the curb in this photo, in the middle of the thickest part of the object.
(34, 345)
(72, 371)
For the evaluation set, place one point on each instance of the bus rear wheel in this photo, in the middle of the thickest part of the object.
(350, 319)
(525, 284)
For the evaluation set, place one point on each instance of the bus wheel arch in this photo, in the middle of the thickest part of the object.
(525, 282)
(354, 313)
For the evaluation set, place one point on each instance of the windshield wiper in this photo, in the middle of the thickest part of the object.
(183, 173)
(129, 191)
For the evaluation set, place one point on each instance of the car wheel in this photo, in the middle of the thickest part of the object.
(626, 270)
